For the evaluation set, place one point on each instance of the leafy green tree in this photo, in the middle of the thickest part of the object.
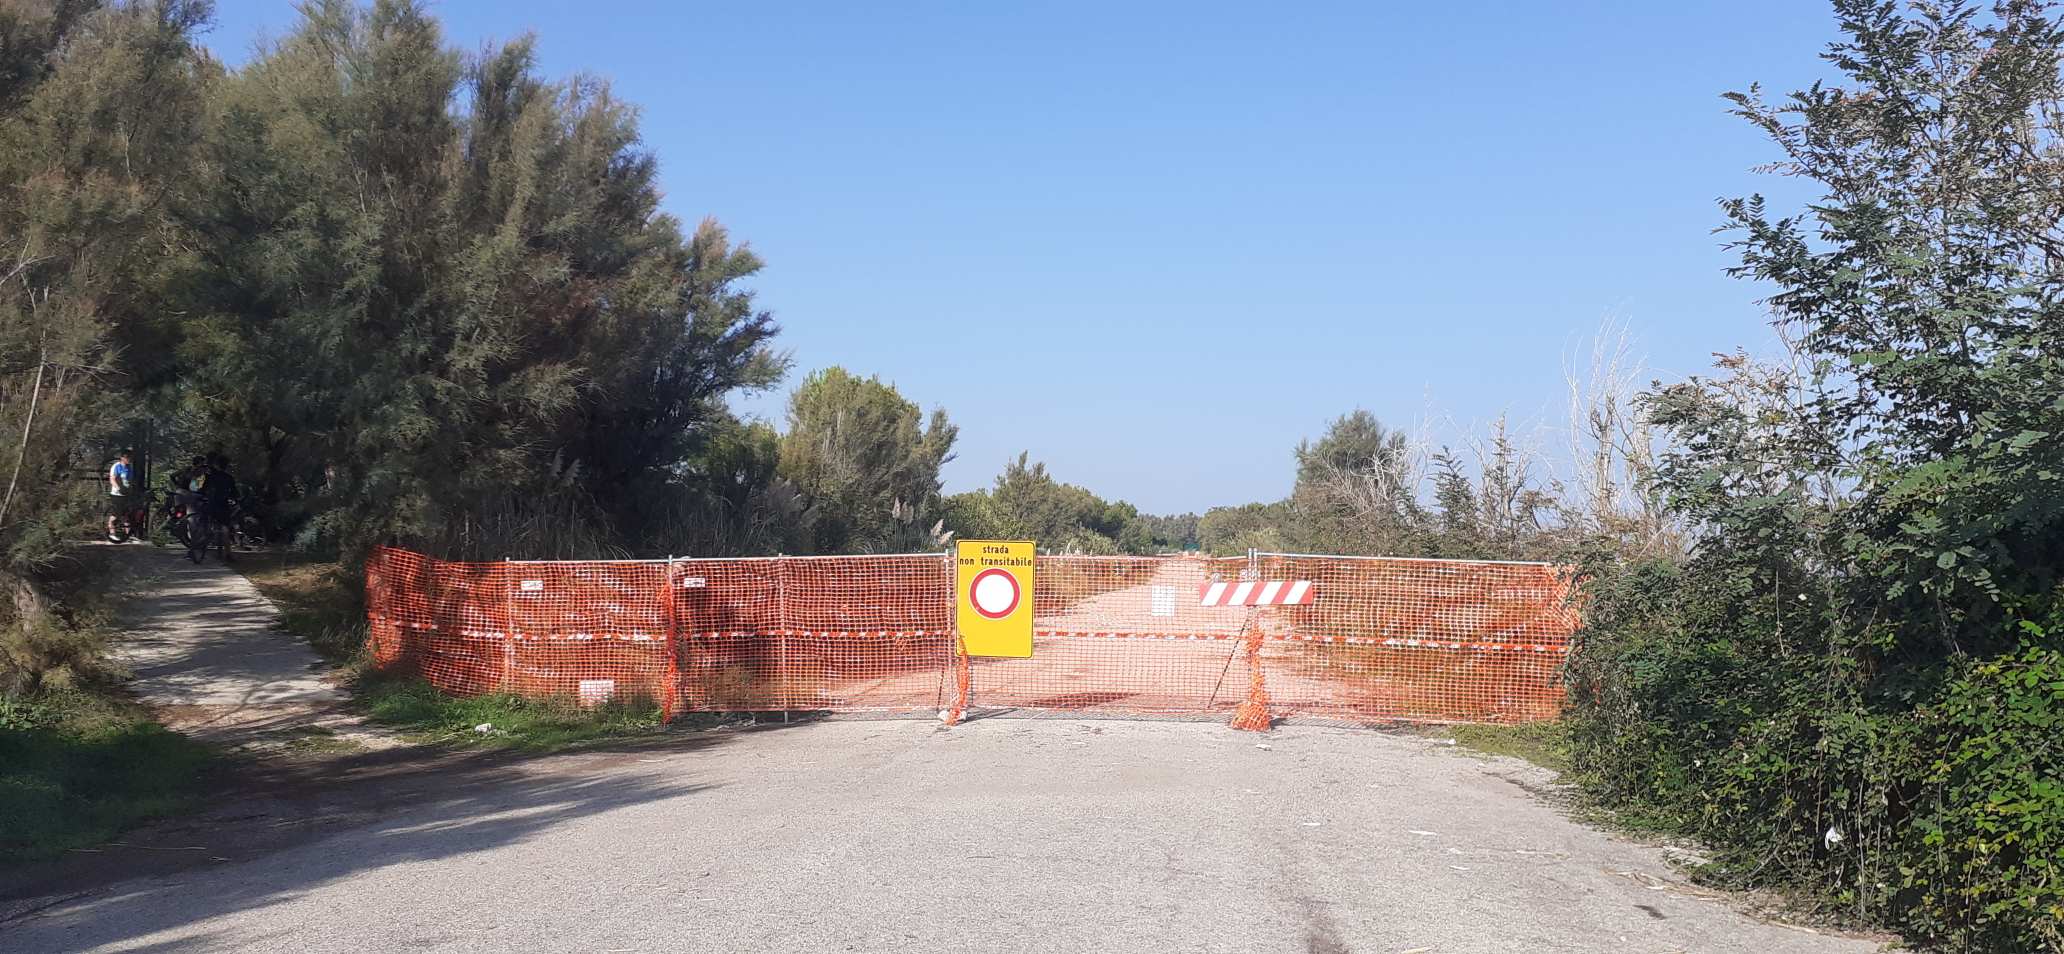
(1502, 512)
(1028, 503)
(866, 458)
(1357, 490)
(1925, 289)
(469, 329)
(1229, 531)
(741, 504)
(1842, 688)
(100, 110)
(972, 516)
(1454, 497)
(1173, 532)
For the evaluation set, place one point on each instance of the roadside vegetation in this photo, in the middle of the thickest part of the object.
(421, 713)
(1545, 744)
(1852, 685)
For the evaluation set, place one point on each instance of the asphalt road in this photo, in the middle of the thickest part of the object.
(997, 835)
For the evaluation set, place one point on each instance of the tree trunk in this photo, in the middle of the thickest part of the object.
(22, 452)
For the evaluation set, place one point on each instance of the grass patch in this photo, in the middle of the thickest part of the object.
(419, 711)
(317, 603)
(77, 768)
(1545, 744)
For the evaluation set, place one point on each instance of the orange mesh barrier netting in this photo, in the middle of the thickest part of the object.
(1380, 640)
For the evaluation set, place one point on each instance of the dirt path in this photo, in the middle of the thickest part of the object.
(1172, 655)
(206, 652)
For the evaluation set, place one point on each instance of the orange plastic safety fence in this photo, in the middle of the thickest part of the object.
(1421, 640)
(1381, 640)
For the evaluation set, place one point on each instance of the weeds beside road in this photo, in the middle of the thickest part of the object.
(1543, 743)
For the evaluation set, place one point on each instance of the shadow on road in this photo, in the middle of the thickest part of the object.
(403, 805)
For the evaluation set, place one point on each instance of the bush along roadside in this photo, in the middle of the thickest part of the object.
(1850, 686)
(1989, 812)
(1932, 805)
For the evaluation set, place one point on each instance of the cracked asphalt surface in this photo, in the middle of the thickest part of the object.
(997, 835)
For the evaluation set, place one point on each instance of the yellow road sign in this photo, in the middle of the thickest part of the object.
(992, 586)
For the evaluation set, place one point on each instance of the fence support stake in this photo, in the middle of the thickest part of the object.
(1252, 715)
(781, 641)
(957, 650)
(672, 703)
(508, 627)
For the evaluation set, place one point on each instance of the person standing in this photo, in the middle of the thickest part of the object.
(121, 480)
(181, 499)
(182, 480)
(218, 504)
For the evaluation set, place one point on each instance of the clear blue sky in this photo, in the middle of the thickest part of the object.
(1157, 244)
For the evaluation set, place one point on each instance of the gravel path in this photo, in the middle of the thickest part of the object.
(206, 651)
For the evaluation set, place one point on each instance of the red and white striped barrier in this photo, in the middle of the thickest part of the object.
(1256, 593)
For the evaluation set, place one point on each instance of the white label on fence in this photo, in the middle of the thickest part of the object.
(693, 582)
(532, 586)
(597, 691)
(1164, 601)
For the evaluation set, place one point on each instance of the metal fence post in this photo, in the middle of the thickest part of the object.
(781, 640)
(954, 649)
(673, 645)
(508, 626)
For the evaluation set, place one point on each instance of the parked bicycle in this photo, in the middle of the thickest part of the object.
(134, 521)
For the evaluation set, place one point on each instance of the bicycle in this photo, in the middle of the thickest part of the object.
(199, 531)
(133, 521)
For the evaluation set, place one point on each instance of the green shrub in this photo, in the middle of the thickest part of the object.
(1984, 853)
(53, 627)
(1926, 798)
(1850, 686)
(43, 653)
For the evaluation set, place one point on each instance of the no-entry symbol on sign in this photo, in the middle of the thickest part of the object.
(993, 592)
